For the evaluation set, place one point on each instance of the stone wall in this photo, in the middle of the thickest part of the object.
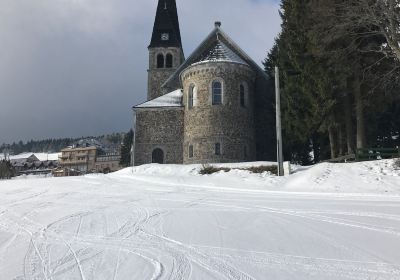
(228, 124)
(157, 76)
(159, 128)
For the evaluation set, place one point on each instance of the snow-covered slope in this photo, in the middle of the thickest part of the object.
(365, 177)
(168, 222)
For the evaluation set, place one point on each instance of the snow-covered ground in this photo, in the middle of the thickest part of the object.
(330, 221)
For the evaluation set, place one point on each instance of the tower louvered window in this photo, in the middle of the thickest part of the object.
(160, 61)
(169, 61)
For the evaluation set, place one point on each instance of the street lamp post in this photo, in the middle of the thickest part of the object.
(278, 124)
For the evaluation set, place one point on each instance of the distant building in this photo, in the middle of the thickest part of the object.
(32, 165)
(85, 143)
(87, 157)
(108, 163)
(81, 160)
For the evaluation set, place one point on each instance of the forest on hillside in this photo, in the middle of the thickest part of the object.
(339, 64)
(56, 145)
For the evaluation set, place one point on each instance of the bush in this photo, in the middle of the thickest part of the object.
(265, 168)
(397, 163)
(209, 169)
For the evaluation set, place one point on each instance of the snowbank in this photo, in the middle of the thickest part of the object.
(366, 177)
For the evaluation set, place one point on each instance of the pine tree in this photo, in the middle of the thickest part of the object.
(307, 102)
(343, 93)
(126, 149)
(346, 33)
(6, 170)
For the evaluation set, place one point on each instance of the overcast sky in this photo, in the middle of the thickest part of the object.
(76, 67)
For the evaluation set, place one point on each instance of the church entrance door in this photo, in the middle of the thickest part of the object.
(157, 156)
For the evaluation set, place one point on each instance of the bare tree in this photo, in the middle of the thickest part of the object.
(6, 153)
(366, 19)
(367, 33)
(386, 15)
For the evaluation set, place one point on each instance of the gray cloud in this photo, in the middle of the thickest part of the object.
(75, 67)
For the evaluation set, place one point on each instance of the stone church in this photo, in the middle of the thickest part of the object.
(215, 106)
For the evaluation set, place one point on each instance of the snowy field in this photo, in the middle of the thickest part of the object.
(167, 222)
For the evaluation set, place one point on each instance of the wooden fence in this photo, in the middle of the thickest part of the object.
(368, 154)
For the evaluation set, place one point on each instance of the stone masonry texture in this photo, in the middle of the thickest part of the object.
(228, 124)
(159, 128)
(157, 76)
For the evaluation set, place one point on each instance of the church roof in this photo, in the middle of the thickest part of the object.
(172, 99)
(217, 44)
(219, 52)
(166, 22)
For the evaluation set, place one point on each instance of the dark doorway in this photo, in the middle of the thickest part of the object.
(157, 156)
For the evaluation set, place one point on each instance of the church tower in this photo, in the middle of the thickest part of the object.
(165, 49)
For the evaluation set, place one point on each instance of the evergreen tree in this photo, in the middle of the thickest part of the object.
(343, 93)
(307, 102)
(126, 149)
(6, 170)
(111, 142)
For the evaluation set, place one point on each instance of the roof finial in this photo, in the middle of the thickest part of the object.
(165, 5)
(217, 24)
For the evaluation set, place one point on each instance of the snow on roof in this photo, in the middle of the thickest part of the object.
(216, 35)
(172, 99)
(219, 52)
(40, 156)
(89, 142)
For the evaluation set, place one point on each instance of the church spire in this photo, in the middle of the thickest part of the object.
(166, 32)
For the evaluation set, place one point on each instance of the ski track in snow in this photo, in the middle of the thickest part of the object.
(127, 227)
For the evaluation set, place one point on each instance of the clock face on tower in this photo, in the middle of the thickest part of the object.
(165, 36)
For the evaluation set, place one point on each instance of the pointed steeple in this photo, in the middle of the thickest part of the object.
(166, 32)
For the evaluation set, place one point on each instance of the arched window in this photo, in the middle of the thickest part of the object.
(191, 151)
(160, 61)
(157, 156)
(217, 149)
(191, 96)
(242, 96)
(216, 93)
(169, 61)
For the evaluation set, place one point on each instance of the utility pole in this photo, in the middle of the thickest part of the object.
(133, 139)
(278, 124)
(132, 163)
